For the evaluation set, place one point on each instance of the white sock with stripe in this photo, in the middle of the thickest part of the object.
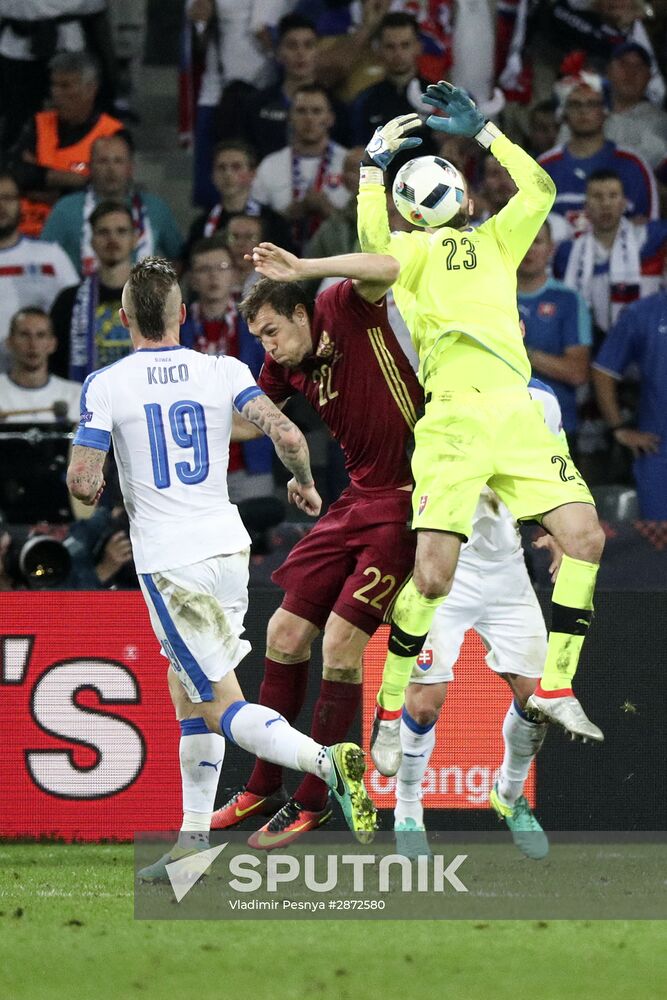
(523, 740)
(417, 743)
(201, 754)
(267, 734)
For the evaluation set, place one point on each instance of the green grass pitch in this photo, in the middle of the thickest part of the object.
(67, 931)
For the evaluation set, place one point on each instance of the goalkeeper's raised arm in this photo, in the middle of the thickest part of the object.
(516, 225)
(372, 219)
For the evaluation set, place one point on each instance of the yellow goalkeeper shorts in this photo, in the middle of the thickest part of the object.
(468, 439)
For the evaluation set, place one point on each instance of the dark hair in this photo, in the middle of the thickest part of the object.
(121, 134)
(207, 244)
(604, 174)
(149, 284)
(240, 145)
(28, 311)
(107, 207)
(293, 22)
(547, 106)
(283, 296)
(82, 63)
(312, 88)
(399, 19)
(243, 215)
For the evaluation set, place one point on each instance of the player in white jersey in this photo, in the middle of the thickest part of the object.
(491, 593)
(168, 411)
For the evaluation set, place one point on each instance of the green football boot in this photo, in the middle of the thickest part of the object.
(527, 833)
(346, 781)
(411, 839)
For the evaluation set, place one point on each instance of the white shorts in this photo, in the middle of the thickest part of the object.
(197, 614)
(498, 601)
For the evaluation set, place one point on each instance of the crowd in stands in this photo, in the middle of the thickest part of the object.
(278, 99)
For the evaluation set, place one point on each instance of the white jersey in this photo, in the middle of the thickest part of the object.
(32, 273)
(283, 177)
(40, 401)
(168, 411)
(495, 535)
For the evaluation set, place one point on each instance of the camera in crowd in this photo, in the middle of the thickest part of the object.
(34, 557)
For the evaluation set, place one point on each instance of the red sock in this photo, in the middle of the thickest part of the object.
(283, 688)
(335, 711)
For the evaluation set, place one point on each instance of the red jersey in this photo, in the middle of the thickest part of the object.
(360, 383)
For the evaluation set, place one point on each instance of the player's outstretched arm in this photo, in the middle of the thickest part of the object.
(518, 223)
(373, 274)
(291, 449)
(85, 479)
(372, 219)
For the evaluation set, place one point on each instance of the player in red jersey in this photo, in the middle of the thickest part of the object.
(341, 353)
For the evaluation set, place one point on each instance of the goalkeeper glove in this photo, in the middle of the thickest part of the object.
(464, 117)
(392, 137)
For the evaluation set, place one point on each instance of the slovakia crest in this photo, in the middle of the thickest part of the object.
(423, 500)
(546, 309)
(425, 659)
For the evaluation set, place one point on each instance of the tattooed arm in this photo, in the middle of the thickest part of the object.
(291, 448)
(243, 430)
(85, 480)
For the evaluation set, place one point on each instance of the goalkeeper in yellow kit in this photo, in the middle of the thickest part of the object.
(457, 292)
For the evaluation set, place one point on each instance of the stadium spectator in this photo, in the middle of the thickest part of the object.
(346, 61)
(267, 120)
(238, 50)
(85, 318)
(345, 56)
(52, 154)
(112, 178)
(338, 233)
(597, 28)
(213, 325)
(633, 120)
(303, 181)
(569, 165)
(31, 32)
(234, 164)
(639, 338)
(29, 392)
(400, 91)
(101, 552)
(616, 261)
(542, 128)
(32, 273)
(242, 233)
(558, 329)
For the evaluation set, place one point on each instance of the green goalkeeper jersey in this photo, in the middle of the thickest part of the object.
(463, 281)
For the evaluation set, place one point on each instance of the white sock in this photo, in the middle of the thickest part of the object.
(523, 740)
(264, 732)
(417, 743)
(201, 754)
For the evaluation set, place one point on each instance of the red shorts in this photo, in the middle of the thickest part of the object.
(353, 562)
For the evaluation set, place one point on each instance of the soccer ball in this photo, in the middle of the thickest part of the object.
(428, 191)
